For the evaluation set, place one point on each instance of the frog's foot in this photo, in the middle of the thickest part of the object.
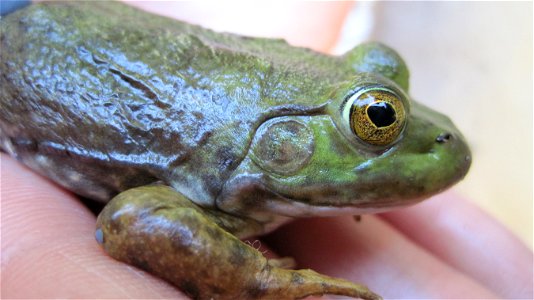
(162, 232)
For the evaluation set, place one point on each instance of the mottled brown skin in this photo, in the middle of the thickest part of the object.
(204, 138)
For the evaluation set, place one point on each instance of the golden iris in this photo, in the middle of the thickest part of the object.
(376, 115)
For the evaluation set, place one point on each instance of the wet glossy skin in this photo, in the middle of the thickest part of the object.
(238, 133)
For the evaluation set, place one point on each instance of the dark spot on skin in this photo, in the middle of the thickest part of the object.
(198, 115)
(181, 159)
(190, 288)
(68, 153)
(256, 292)
(204, 138)
(254, 196)
(212, 183)
(225, 157)
(296, 279)
(237, 256)
(214, 233)
(24, 144)
(216, 290)
(135, 259)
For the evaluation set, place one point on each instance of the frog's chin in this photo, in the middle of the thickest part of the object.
(282, 212)
(248, 195)
(277, 213)
(302, 209)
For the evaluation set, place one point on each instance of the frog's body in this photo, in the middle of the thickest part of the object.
(103, 98)
(151, 97)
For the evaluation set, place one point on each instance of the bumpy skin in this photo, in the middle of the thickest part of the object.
(159, 89)
(103, 98)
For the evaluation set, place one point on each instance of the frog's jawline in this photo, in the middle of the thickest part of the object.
(246, 194)
(295, 208)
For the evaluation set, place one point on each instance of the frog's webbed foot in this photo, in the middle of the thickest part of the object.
(164, 233)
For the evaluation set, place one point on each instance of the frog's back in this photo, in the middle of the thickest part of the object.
(101, 98)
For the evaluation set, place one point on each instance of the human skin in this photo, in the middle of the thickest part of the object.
(443, 248)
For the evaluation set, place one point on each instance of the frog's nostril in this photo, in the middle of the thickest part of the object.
(443, 137)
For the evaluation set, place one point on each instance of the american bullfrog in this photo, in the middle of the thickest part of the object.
(198, 139)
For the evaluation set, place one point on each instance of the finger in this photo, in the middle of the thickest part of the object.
(471, 241)
(48, 246)
(373, 253)
(317, 26)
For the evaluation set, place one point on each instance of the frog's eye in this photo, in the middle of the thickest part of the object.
(376, 115)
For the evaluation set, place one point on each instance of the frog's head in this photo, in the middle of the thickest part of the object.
(370, 148)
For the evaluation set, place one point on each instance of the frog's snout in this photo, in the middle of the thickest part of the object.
(446, 137)
(457, 152)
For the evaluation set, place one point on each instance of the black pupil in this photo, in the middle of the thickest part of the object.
(381, 114)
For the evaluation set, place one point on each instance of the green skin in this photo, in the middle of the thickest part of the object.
(202, 138)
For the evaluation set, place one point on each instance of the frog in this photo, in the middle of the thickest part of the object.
(196, 139)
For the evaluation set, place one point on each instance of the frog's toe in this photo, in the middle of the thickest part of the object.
(298, 284)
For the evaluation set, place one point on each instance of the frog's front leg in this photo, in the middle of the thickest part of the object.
(163, 232)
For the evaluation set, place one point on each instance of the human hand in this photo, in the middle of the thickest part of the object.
(49, 249)
(443, 248)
